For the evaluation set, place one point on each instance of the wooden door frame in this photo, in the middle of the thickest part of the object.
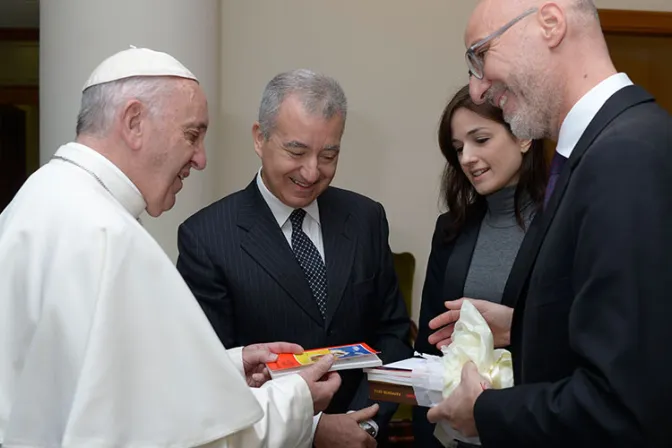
(29, 95)
(19, 34)
(21, 94)
(623, 21)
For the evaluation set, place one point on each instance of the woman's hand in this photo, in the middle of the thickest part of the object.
(497, 316)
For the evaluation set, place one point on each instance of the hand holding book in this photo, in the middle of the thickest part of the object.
(346, 357)
(256, 356)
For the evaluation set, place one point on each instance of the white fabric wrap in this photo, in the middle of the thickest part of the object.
(472, 340)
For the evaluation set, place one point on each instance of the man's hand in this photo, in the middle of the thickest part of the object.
(344, 429)
(256, 356)
(322, 383)
(497, 316)
(458, 408)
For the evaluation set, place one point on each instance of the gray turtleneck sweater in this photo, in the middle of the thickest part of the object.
(498, 242)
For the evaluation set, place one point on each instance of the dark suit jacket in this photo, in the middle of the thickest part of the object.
(590, 337)
(240, 267)
(447, 270)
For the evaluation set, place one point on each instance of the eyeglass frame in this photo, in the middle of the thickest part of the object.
(476, 62)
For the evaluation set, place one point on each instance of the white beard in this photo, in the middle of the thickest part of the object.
(536, 107)
(526, 125)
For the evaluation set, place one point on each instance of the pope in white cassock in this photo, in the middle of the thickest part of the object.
(102, 344)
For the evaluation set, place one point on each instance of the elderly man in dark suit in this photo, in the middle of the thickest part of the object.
(592, 320)
(291, 258)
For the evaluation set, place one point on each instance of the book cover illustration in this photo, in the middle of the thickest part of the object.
(343, 354)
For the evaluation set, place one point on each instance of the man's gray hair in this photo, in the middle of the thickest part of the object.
(101, 102)
(319, 94)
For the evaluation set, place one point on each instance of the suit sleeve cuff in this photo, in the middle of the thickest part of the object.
(236, 355)
(486, 413)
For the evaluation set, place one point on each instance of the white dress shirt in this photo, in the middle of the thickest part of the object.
(311, 227)
(583, 112)
(281, 212)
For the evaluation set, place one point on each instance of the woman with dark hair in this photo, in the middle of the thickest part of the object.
(493, 186)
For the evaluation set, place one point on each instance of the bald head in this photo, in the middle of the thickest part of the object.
(533, 57)
(492, 14)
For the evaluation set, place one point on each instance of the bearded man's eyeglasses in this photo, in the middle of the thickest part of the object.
(474, 55)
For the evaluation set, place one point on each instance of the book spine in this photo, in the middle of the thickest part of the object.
(394, 393)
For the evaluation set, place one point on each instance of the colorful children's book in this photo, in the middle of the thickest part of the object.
(346, 357)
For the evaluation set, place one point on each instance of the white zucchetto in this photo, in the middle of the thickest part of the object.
(137, 62)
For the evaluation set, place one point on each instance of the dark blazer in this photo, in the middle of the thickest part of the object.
(590, 337)
(447, 270)
(240, 267)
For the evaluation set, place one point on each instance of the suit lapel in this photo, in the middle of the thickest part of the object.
(339, 250)
(619, 102)
(267, 245)
(458, 264)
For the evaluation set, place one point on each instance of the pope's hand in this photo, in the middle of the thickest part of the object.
(458, 408)
(497, 316)
(322, 383)
(256, 356)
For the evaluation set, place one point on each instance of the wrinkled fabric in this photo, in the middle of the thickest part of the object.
(439, 376)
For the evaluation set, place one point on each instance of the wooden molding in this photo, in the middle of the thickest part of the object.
(14, 34)
(19, 95)
(636, 22)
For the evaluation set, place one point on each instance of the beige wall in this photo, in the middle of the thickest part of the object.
(398, 62)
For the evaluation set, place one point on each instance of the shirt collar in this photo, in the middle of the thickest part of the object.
(280, 210)
(583, 112)
(114, 180)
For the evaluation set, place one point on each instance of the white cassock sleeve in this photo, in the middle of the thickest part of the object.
(106, 346)
(266, 432)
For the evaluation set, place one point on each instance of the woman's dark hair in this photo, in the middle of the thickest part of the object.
(458, 193)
